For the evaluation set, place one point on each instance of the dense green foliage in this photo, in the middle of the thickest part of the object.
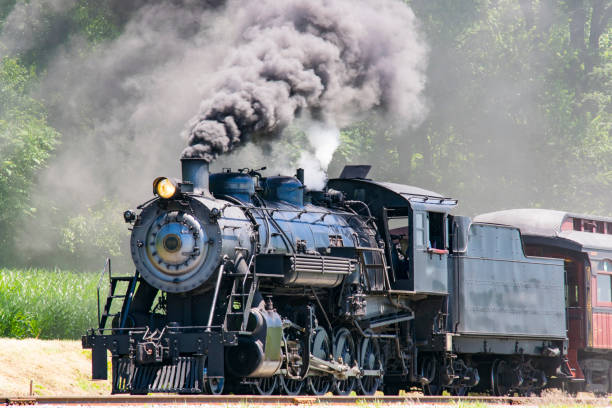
(28, 139)
(26, 142)
(520, 108)
(47, 304)
(98, 229)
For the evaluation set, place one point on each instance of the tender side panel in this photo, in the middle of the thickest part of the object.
(602, 330)
(502, 292)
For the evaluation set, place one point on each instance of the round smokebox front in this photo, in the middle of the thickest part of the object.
(176, 248)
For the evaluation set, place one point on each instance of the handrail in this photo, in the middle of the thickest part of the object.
(437, 251)
(107, 266)
(216, 293)
(128, 301)
(138, 330)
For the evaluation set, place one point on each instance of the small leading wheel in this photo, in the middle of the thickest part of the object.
(290, 386)
(214, 385)
(320, 347)
(369, 360)
(265, 385)
(344, 348)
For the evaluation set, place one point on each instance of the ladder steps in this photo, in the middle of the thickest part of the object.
(242, 291)
(113, 286)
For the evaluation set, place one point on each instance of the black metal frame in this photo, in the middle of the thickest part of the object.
(175, 345)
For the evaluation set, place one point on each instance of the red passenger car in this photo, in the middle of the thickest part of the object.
(585, 243)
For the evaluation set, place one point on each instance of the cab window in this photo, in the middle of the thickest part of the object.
(398, 230)
(436, 230)
(398, 223)
(419, 229)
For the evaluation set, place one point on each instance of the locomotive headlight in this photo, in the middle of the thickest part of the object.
(164, 187)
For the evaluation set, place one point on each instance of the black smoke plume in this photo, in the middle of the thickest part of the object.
(330, 60)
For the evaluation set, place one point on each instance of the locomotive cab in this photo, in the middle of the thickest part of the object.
(413, 224)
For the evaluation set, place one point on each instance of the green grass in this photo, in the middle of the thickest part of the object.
(47, 304)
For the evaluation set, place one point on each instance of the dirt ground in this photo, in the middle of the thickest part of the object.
(55, 367)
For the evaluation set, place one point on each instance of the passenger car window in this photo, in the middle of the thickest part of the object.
(604, 288)
(604, 281)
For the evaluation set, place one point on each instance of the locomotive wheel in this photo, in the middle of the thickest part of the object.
(320, 347)
(498, 386)
(391, 389)
(266, 385)
(429, 370)
(573, 388)
(290, 386)
(319, 385)
(459, 391)
(344, 348)
(369, 359)
(214, 386)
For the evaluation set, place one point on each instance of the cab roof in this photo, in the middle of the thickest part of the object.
(392, 194)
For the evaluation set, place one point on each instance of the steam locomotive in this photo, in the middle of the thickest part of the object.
(253, 284)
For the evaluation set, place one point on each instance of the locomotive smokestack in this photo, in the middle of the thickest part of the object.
(299, 174)
(196, 171)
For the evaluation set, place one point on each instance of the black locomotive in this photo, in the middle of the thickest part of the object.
(252, 284)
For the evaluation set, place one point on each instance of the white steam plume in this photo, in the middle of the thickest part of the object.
(324, 141)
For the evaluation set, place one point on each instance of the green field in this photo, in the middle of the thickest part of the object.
(47, 304)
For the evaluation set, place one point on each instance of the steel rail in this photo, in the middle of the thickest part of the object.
(280, 399)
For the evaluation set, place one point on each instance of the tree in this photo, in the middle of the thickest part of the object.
(518, 107)
(26, 142)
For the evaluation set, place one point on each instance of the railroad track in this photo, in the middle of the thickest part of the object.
(257, 400)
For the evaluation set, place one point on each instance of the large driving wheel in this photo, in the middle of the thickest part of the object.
(344, 349)
(320, 347)
(265, 385)
(318, 385)
(290, 386)
(291, 383)
(369, 360)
